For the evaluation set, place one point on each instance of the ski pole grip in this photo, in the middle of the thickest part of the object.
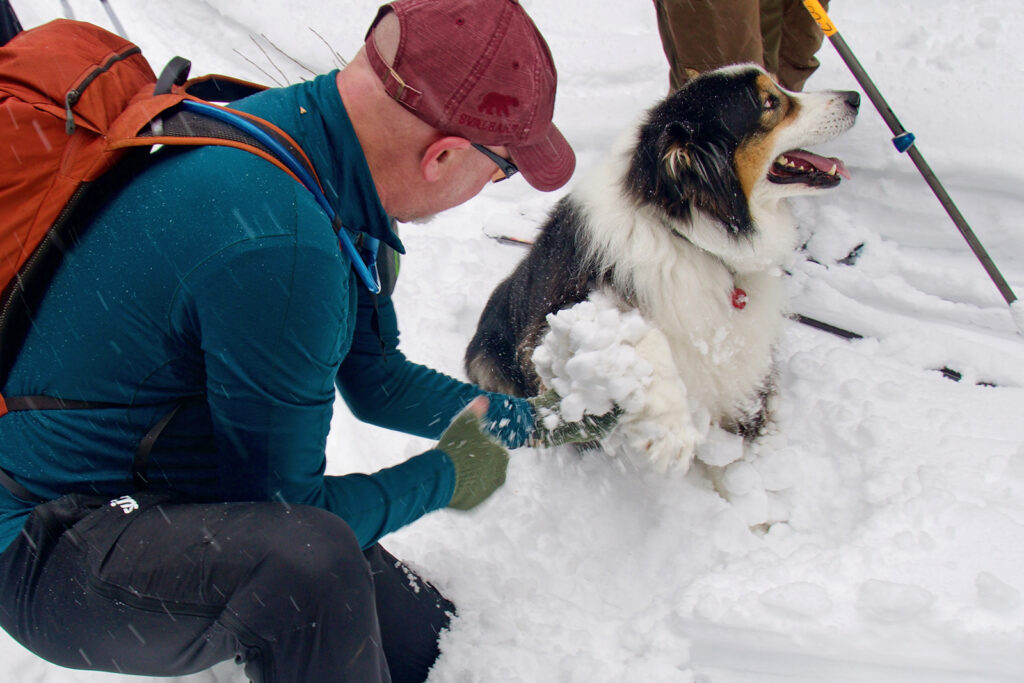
(820, 16)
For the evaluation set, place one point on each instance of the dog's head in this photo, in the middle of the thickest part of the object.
(732, 138)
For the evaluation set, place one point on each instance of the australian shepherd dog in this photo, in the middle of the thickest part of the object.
(687, 221)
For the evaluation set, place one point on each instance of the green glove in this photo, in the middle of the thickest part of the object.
(480, 461)
(552, 430)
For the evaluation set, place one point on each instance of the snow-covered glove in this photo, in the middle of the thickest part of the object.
(552, 430)
(510, 420)
(480, 461)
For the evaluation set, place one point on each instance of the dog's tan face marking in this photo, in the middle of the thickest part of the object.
(756, 153)
(776, 105)
(731, 139)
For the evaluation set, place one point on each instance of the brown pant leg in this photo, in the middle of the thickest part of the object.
(801, 38)
(772, 12)
(706, 34)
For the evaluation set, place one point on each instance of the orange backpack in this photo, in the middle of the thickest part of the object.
(77, 105)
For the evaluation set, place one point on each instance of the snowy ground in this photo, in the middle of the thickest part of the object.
(901, 555)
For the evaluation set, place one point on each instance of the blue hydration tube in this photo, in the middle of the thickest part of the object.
(365, 263)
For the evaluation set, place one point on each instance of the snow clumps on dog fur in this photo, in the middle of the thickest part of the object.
(596, 356)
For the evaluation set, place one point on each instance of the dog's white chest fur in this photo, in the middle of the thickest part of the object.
(722, 353)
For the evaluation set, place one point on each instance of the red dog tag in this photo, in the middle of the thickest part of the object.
(739, 299)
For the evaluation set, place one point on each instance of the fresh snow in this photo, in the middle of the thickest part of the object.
(875, 534)
(1017, 311)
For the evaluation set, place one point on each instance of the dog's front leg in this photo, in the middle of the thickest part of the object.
(665, 432)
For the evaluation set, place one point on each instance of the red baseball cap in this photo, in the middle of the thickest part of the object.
(478, 69)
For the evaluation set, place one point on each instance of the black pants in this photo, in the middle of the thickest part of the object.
(167, 589)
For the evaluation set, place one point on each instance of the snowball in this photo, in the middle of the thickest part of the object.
(740, 478)
(589, 357)
(720, 448)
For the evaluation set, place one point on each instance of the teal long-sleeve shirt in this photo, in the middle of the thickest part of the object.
(214, 281)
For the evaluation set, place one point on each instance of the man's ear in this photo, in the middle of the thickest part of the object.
(438, 154)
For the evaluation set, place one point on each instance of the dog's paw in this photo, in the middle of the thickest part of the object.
(660, 446)
(652, 445)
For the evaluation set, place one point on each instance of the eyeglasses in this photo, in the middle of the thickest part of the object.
(507, 168)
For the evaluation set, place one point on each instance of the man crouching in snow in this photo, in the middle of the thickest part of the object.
(193, 340)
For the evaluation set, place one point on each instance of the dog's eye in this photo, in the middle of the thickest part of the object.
(771, 103)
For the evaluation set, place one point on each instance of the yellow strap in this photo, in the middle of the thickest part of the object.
(820, 16)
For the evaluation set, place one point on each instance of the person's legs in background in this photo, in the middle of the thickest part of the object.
(791, 40)
(704, 35)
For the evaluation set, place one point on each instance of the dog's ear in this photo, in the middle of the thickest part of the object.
(699, 170)
(675, 145)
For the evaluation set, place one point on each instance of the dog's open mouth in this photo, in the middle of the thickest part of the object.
(801, 166)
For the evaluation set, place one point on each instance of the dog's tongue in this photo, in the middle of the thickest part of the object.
(823, 164)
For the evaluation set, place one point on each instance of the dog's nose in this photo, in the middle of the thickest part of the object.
(852, 98)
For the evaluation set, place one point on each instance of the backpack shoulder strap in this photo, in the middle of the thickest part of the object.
(198, 120)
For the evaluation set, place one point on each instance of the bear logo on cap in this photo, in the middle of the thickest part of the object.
(496, 104)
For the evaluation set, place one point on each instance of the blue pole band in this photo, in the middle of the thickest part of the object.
(903, 141)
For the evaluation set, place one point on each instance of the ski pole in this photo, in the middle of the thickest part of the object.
(904, 142)
(113, 18)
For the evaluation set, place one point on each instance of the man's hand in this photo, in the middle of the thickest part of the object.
(480, 461)
(552, 430)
